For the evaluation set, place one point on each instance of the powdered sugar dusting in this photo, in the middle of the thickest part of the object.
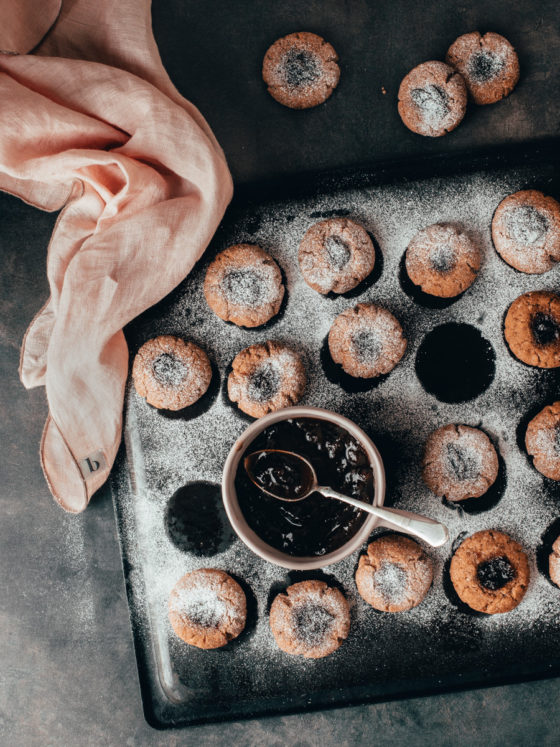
(165, 454)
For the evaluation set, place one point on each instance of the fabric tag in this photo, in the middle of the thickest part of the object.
(92, 464)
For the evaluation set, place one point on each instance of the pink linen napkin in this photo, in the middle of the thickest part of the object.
(92, 122)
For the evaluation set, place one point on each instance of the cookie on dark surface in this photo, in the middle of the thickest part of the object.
(207, 608)
(459, 462)
(366, 340)
(335, 255)
(490, 572)
(432, 99)
(310, 619)
(532, 329)
(171, 373)
(243, 285)
(526, 231)
(542, 441)
(301, 70)
(442, 260)
(266, 377)
(395, 574)
(489, 65)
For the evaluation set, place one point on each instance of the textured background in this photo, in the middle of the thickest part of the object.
(68, 673)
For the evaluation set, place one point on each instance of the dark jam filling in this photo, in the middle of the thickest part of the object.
(432, 102)
(484, 66)
(462, 465)
(443, 259)
(316, 525)
(264, 383)
(495, 573)
(367, 346)
(169, 370)
(312, 623)
(300, 68)
(243, 287)
(282, 474)
(338, 252)
(546, 329)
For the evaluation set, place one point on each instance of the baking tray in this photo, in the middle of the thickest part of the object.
(440, 645)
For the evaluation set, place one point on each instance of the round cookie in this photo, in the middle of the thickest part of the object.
(554, 562)
(366, 340)
(335, 255)
(310, 619)
(207, 608)
(526, 231)
(490, 572)
(459, 462)
(395, 574)
(266, 377)
(432, 99)
(488, 64)
(301, 70)
(442, 260)
(542, 441)
(243, 285)
(532, 329)
(171, 373)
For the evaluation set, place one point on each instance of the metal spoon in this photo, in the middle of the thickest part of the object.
(291, 477)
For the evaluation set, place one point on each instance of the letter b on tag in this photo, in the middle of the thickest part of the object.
(91, 464)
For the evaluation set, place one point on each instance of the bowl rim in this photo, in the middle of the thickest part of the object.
(250, 538)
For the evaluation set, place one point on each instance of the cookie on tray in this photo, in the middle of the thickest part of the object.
(490, 572)
(301, 70)
(310, 619)
(243, 285)
(532, 329)
(442, 260)
(207, 608)
(366, 340)
(459, 462)
(432, 99)
(335, 255)
(489, 65)
(266, 377)
(171, 373)
(395, 574)
(526, 231)
(554, 562)
(542, 441)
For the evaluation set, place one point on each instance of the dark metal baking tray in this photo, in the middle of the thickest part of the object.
(439, 645)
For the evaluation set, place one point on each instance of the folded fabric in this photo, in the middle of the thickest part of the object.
(92, 122)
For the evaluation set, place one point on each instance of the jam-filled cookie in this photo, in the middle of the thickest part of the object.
(490, 572)
(366, 340)
(310, 619)
(526, 231)
(243, 285)
(432, 99)
(488, 64)
(301, 70)
(395, 574)
(459, 462)
(442, 261)
(554, 562)
(542, 441)
(171, 373)
(532, 329)
(207, 608)
(266, 377)
(335, 255)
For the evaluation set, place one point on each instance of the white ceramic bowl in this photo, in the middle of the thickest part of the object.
(250, 538)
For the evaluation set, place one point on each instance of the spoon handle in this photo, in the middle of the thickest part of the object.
(429, 530)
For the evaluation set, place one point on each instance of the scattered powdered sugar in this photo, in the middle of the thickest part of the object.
(432, 102)
(164, 454)
(248, 287)
(484, 65)
(367, 345)
(201, 605)
(312, 622)
(526, 226)
(462, 462)
(337, 251)
(391, 581)
(443, 258)
(299, 67)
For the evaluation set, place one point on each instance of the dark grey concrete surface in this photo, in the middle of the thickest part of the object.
(67, 669)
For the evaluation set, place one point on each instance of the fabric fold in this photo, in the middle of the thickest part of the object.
(144, 186)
